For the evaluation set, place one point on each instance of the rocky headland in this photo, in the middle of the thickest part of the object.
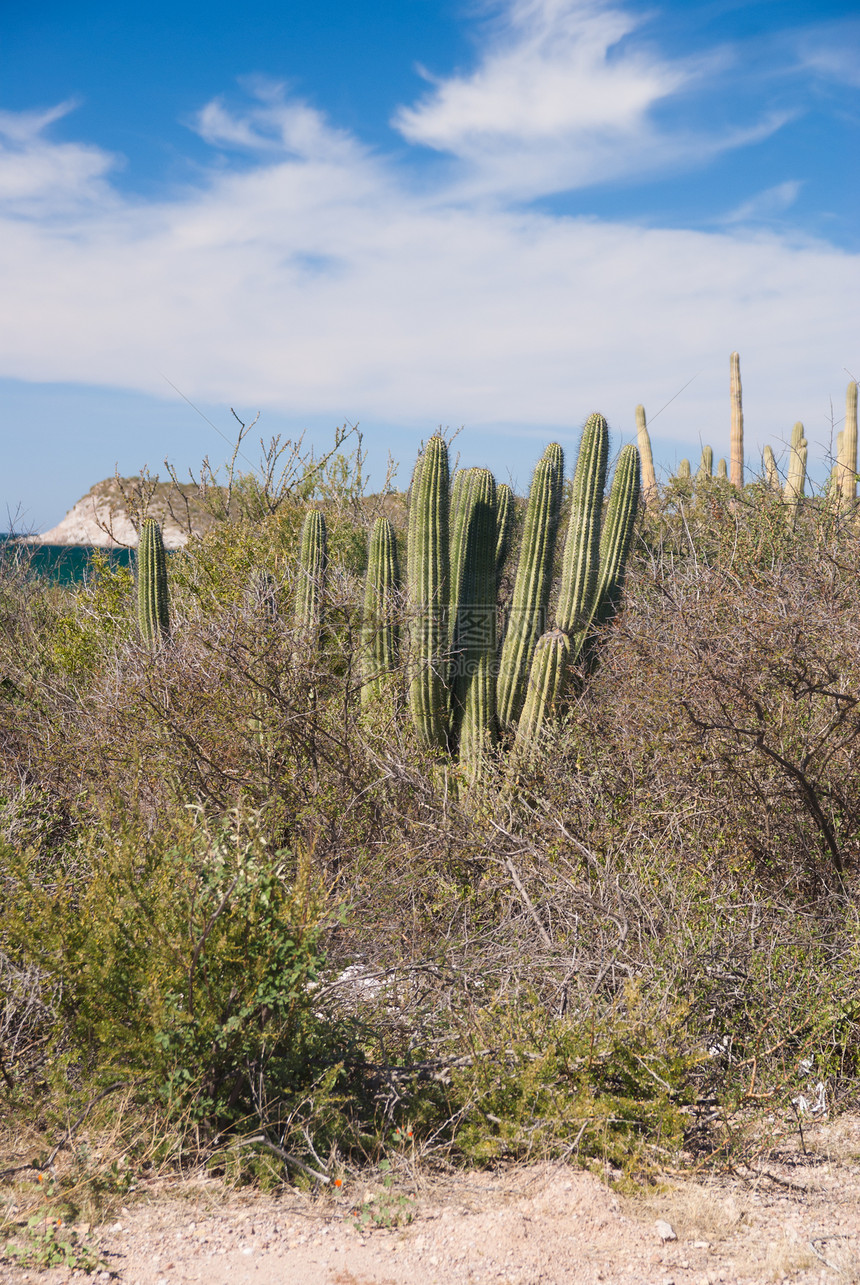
(102, 517)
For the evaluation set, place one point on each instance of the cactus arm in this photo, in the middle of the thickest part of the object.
(474, 634)
(737, 422)
(650, 493)
(379, 633)
(152, 594)
(427, 560)
(532, 585)
(582, 545)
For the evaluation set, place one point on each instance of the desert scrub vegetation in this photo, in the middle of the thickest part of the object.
(286, 928)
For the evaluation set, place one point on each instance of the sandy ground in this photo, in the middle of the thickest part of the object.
(548, 1223)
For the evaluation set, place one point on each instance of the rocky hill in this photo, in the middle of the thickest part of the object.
(101, 517)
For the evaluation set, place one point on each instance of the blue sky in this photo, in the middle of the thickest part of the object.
(496, 215)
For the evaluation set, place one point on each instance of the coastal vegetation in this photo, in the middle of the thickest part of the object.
(547, 848)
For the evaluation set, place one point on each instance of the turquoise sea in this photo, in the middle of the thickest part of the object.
(64, 564)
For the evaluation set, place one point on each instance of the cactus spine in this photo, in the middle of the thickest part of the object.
(650, 493)
(532, 585)
(427, 579)
(313, 562)
(474, 633)
(546, 679)
(153, 611)
(582, 545)
(504, 526)
(737, 422)
(848, 487)
(380, 635)
(706, 464)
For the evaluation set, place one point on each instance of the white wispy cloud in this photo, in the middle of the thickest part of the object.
(561, 99)
(766, 205)
(314, 277)
(40, 178)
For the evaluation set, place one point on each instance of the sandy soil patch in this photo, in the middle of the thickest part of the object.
(547, 1223)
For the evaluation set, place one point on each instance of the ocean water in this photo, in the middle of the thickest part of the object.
(63, 564)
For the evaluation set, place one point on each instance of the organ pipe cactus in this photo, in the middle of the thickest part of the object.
(380, 635)
(473, 668)
(546, 680)
(737, 422)
(427, 576)
(504, 526)
(455, 547)
(152, 599)
(582, 546)
(848, 453)
(795, 482)
(615, 540)
(649, 478)
(313, 562)
(532, 584)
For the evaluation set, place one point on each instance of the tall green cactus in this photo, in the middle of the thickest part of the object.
(452, 694)
(615, 540)
(737, 422)
(706, 464)
(532, 585)
(153, 610)
(427, 582)
(473, 666)
(380, 633)
(650, 491)
(504, 526)
(313, 563)
(684, 472)
(722, 471)
(771, 472)
(795, 482)
(848, 481)
(546, 680)
(581, 559)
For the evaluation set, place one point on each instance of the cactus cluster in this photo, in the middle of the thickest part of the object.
(843, 476)
(464, 688)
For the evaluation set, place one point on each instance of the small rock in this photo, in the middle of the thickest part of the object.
(665, 1230)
